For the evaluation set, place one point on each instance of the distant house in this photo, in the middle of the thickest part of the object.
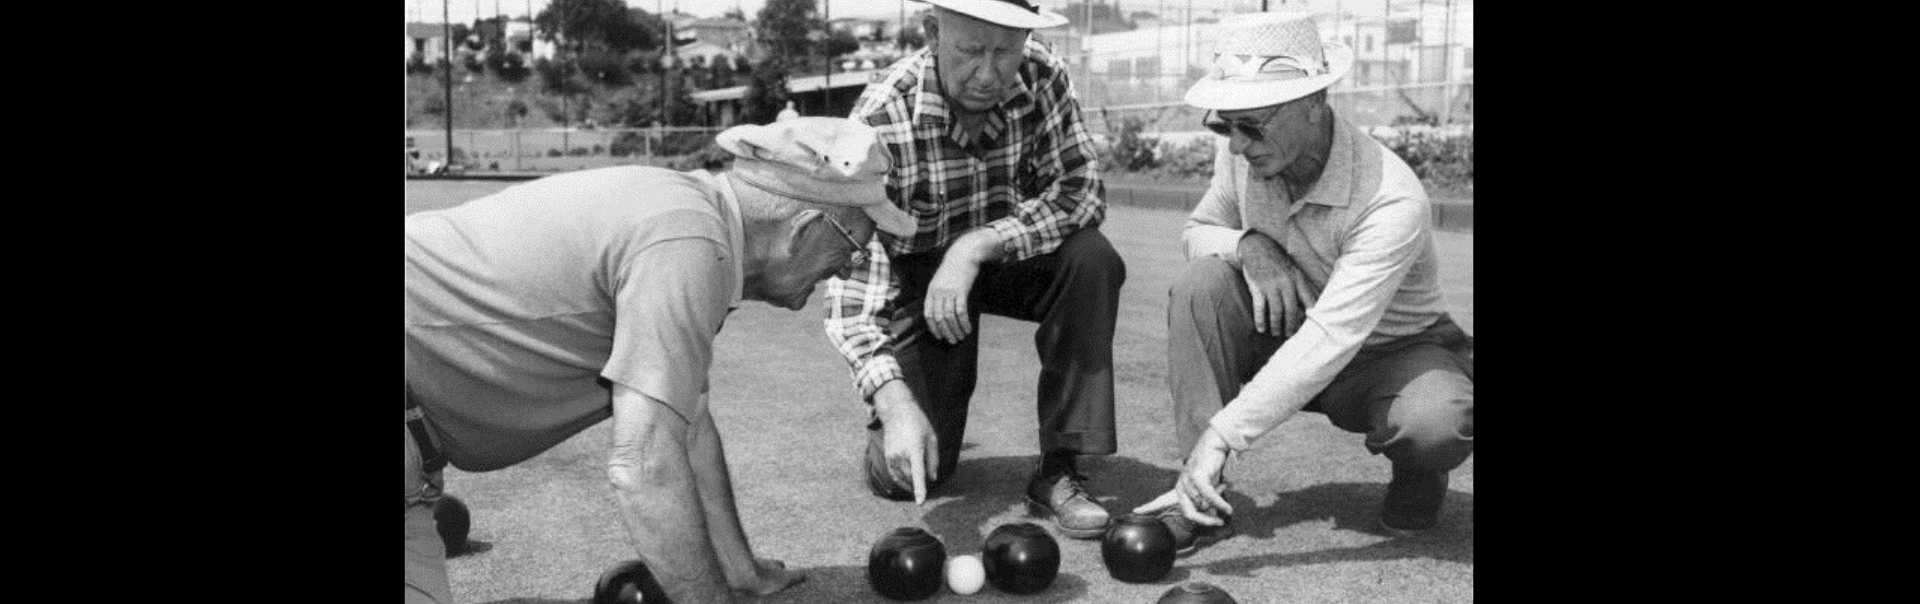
(428, 39)
(708, 52)
(521, 39)
(731, 34)
(865, 28)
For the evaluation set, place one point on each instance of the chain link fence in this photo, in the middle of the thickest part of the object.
(557, 149)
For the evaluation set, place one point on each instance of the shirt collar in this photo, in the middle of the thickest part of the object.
(736, 235)
(1335, 184)
(930, 107)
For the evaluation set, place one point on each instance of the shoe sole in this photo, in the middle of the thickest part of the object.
(1400, 532)
(1045, 512)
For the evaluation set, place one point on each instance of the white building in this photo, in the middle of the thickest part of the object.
(1155, 64)
(428, 39)
(520, 31)
(1416, 44)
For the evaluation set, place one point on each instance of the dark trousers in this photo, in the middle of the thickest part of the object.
(1412, 397)
(1073, 293)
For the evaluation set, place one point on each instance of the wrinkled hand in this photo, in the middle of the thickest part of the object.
(911, 446)
(945, 305)
(1198, 490)
(769, 577)
(1266, 266)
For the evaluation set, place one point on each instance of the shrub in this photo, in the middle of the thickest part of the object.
(1191, 161)
(628, 143)
(553, 152)
(417, 63)
(1438, 160)
(710, 157)
(508, 66)
(1132, 152)
(577, 152)
(681, 143)
(605, 68)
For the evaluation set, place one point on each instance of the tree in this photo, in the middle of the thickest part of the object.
(508, 66)
(603, 67)
(911, 38)
(841, 43)
(577, 25)
(766, 91)
(783, 26)
(720, 73)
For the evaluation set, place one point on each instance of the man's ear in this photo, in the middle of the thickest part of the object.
(931, 26)
(801, 218)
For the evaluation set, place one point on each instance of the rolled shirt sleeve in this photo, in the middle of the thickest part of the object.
(1213, 229)
(858, 308)
(669, 302)
(1377, 255)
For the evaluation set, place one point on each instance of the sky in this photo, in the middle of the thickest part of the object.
(464, 11)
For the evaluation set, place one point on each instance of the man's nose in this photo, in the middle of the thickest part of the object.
(1237, 143)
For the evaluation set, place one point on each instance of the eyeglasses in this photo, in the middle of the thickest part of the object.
(858, 257)
(1225, 127)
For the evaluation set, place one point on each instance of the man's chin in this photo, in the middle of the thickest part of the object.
(799, 301)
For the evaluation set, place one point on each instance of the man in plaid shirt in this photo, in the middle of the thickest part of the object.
(990, 158)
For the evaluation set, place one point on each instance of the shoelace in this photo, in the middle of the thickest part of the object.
(1074, 486)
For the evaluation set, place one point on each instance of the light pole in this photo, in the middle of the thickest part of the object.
(446, 54)
(666, 51)
(826, 92)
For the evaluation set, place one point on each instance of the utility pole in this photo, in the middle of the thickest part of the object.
(1086, 44)
(446, 46)
(666, 61)
(826, 93)
(1446, 68)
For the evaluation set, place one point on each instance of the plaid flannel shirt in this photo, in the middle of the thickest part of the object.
(1030, 175)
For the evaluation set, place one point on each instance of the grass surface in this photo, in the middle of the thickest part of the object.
(1306, 495)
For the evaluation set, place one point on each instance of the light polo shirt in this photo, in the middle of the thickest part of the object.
(522, 307)
(1362, 254)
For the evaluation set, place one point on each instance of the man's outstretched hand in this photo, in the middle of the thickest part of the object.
(1198, 490)
(909, 442)
(770, 577)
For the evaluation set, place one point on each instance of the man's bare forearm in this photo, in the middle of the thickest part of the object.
(715, 485)
(654, 481)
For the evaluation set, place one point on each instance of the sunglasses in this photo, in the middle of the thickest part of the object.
(1225, 127)
(855, 259)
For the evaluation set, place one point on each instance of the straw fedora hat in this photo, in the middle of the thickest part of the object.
(1266, 59)
(1019, 14)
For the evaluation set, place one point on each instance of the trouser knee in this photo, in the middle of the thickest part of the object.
(1206, 282)
(1431, 436)
(1091, 261)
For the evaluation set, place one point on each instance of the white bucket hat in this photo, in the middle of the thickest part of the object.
(1019, 14)
(1266, 59)
(823, 160)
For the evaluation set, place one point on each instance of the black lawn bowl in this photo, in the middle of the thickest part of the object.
(1196, 592)
(907, 564)
(628, 583)
(452, 520)
(1137, 549)
(1021, 558)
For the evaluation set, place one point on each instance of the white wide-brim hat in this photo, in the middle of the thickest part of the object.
(1021, 14)
(1266, 59)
